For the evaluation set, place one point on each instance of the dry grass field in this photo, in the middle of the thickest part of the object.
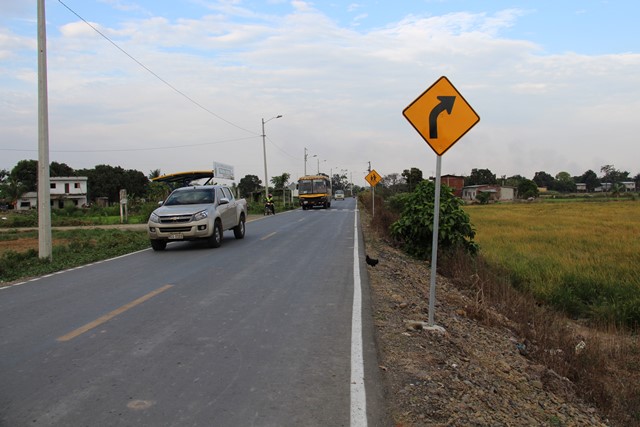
(581, 257)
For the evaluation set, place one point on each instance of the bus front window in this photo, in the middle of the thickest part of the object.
(305, 187)
(319, 186)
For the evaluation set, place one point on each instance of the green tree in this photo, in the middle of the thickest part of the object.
(280, 181)
(514, 181)
(564, 183)
(136, 183)
(154, 173)
(412, 177)
(483, 197)
(107, 181)
(414, 229)
(591, 179)
(527, 189)
(394, 182)
(10, 190)
(157, 191)
(249, 185)
(543, 179)
(339, 181)
(617, 188)
(60, 169)
(612, 175)
(481, 176)
(25, 175)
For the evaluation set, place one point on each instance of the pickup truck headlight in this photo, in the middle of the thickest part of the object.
(153, 217)
(200, 215)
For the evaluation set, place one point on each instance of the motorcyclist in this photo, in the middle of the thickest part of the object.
(269, 204)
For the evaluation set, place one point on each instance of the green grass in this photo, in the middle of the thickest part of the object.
(583, 258)
(77, 247)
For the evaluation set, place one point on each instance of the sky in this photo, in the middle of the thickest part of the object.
(178, 85)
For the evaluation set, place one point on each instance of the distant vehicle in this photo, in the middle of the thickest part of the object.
(197, 212)
(339, 195)
(314, 190)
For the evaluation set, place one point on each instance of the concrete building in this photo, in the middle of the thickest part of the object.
(64, 190)
(453, 181)
(497, 192)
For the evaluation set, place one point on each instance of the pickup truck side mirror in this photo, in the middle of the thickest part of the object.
(223, 201)
(160, 203)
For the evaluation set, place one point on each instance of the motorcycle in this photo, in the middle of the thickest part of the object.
(269, 209)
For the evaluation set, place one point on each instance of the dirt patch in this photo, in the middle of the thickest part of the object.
(469, 374)
(24, 244)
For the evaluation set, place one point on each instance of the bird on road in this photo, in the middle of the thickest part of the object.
(371, 261)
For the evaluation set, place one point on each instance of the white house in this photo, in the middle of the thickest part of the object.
(502, 193)
(64, 190)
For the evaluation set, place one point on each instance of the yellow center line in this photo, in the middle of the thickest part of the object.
(99, 321)
(268, 235)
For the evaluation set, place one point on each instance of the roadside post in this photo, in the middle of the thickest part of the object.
(124, 213)
(441, 125)
(373, 178)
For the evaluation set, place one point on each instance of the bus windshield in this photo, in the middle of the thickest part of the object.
(312, 186)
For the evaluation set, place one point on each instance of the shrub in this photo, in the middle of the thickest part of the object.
(414, 229)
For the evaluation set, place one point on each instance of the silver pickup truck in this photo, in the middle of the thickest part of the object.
(197, 212)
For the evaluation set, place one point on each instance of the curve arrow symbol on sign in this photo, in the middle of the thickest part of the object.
(446, 104)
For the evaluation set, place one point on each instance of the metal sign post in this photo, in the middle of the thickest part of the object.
(441, 116)
(373, 178)
(434, 243)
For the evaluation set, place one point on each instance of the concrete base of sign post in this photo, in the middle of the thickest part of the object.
(435, 328)
(419, 325)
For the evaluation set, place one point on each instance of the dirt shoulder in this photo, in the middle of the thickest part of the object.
(468, 375)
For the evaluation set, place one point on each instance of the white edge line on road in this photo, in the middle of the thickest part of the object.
(358, 393)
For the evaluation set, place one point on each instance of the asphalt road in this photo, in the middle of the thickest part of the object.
(255, 333)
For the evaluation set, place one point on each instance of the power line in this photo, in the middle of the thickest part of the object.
(154, 74)
(134, 149)
(282, 150)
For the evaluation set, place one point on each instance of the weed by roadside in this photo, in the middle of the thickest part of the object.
(73, 248)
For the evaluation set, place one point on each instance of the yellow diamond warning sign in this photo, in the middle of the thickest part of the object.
(373, 178)
(441, 115)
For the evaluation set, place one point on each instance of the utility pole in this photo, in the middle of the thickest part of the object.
(264, 153)
(44, 192)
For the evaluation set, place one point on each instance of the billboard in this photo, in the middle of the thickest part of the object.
(222, 171)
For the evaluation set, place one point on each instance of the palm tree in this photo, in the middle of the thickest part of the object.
(11, 190)
(617, 188)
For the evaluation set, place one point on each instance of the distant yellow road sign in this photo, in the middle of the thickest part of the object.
(441, 115)
(373, 178)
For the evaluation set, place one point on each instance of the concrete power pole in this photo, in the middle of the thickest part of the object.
(44, 192)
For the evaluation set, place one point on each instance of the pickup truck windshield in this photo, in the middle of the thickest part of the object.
(191, 197)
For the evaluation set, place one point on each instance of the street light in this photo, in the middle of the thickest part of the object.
(264, 152)
(315, 155)
(305, 161)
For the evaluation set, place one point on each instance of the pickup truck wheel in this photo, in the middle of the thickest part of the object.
(238, 230)
(158, 245)
(216, 238)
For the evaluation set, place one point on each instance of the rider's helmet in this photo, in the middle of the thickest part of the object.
(270, 195)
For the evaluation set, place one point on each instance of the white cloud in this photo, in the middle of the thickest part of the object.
(341, 93)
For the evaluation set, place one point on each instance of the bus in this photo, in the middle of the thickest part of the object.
(314, 190)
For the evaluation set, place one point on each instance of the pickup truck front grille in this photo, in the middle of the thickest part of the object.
(175, 229)
(175, 219)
